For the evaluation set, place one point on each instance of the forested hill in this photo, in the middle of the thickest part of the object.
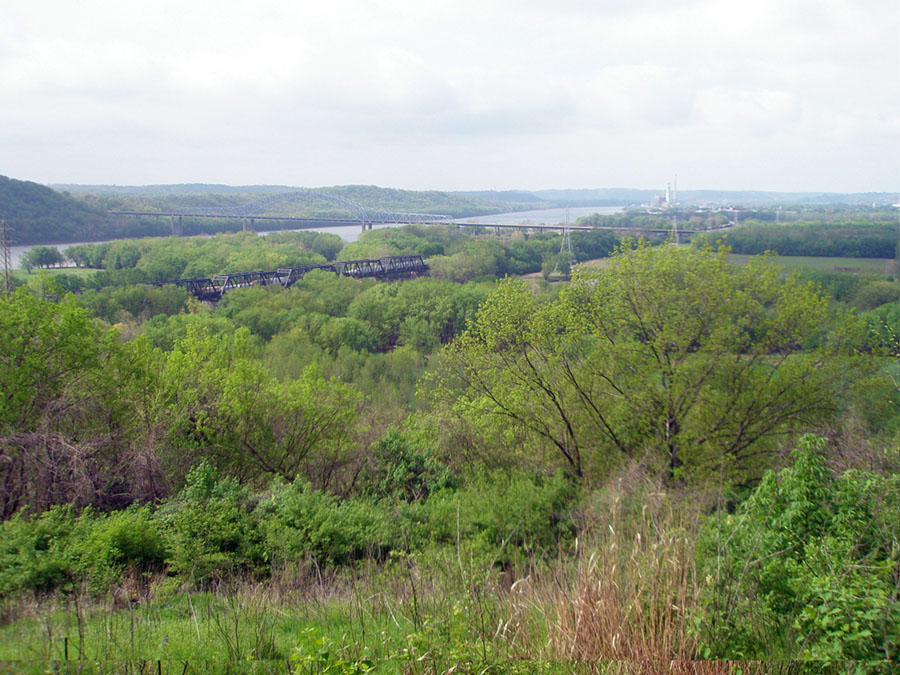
(302, 201)
(74, 213)
(38, 214)
(171, 189)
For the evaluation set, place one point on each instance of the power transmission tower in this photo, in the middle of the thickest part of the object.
(5, 254)
(565, 246)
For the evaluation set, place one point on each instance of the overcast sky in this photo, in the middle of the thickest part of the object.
(455, 94)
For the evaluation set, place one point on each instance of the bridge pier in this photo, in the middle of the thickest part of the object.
(248, 224)
(497, 231)
(177, 228)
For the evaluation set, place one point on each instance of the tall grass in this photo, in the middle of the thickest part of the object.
(620, 602)
(629, 593)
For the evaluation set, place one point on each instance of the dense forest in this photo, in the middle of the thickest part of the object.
(666, 458)
(37, 214)
(454, 254)
(842, 232)
(861, 239)
(304, 202)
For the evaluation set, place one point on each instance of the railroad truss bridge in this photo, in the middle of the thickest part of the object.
(212, 289)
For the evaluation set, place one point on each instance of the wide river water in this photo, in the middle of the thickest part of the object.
(348, 234)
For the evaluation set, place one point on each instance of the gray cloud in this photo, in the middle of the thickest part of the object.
(457, 94)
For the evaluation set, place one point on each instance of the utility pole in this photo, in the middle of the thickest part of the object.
(6, 255)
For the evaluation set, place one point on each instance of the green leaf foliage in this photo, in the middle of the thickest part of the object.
(304, 523)
(210, 529)
(669, 356)
(852, 240)
(406, 472)
(807, 567)
(34, 553)
(44, 348)
(224, 404)
(40, 214)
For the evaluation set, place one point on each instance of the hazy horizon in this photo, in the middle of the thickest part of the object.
(203, 188)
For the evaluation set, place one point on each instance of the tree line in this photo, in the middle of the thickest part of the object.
(849, 241)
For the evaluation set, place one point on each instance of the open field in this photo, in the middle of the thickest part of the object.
(825, 264)
(22, 275)
(885, 266)
(880, 266)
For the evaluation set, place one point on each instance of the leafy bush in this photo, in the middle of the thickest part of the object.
(35, 554)
(210, 530)
(502, 515)
(302, 522)
(875, 294)
(115, 542)
(406, 472)
(807, 566)
(60, 549)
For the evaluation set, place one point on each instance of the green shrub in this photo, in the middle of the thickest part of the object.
(116, 542)
(405, 471)
(58, 549)
(301, 521)
(216, 528)
(501, 514)
(876, 293)
(211, 530)
(35, 553)
(807, 567)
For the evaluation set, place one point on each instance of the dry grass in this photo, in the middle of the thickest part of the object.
(628, 593)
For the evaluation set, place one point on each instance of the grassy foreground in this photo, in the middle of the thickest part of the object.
(627, 599)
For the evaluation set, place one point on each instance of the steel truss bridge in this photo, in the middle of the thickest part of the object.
(252, 211)
(212, 289)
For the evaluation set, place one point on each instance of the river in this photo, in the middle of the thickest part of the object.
(348, 234)
(544, 216)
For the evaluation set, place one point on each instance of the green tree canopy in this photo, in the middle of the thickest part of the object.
(222, 403)
(669, 356)
(42, 256)
(44, 348)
